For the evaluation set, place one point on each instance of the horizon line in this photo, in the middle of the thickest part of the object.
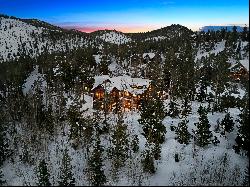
(90, 29)
(127, 29)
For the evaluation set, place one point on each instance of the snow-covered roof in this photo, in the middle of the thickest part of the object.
(122, 83)
(151, 55)
(245, 63)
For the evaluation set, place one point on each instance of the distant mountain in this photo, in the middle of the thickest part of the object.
(111, 36)
(169, 32)
(217, 28)
(33, 37)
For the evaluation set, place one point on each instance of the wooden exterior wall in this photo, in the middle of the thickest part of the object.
(122, 98)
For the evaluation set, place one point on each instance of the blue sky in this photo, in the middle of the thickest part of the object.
(130, 15)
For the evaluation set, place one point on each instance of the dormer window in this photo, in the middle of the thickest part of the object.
(133, 86)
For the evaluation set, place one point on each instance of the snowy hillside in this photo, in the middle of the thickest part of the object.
(220, 46)
(156, 38)
(115, 37)
(168, 107)
(19, 38)
(196, 165)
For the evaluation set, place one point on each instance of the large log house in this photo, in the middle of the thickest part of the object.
(121, 91)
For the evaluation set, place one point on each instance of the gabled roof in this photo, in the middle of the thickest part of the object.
(122, 83)
(150, 55)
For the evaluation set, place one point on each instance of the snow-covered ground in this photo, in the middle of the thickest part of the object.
(197, 166)
(220, 46)
(157, 38)
(34, 76)
(18, 37)
(115, 38)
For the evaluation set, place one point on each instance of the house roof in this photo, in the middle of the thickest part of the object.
(122, 83)
(150, 55)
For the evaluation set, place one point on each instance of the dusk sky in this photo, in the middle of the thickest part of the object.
(130, 15)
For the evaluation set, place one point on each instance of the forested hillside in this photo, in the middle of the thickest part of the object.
(50, 133)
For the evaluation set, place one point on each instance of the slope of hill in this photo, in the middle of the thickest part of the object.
(113, 37)
(32, 37)
(155, 108)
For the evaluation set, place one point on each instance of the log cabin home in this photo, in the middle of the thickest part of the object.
(121, 92)
(238, 71)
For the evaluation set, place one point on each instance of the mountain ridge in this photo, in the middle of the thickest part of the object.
(34, 21)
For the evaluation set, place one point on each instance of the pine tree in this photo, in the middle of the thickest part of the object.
(43, 174)
(157, 151)
(183, 136)
(152, 114)
(148, 161)
(176, 157)
(95, 163)
(120, 148)
(135, 143)
(49, 120)
(245, 34)
(173, 109)
(201, 96)
(243, 136)
(4, 146)
(210, 99)
(228, 101)
(66, 175)
(103, 66)
(215, 141)
(227, 123)
(233, 34)
(2, 182)
(220, 77)
(203, 134)
(186, 107)
(217, 126)
(246, 177)
(76, 125)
